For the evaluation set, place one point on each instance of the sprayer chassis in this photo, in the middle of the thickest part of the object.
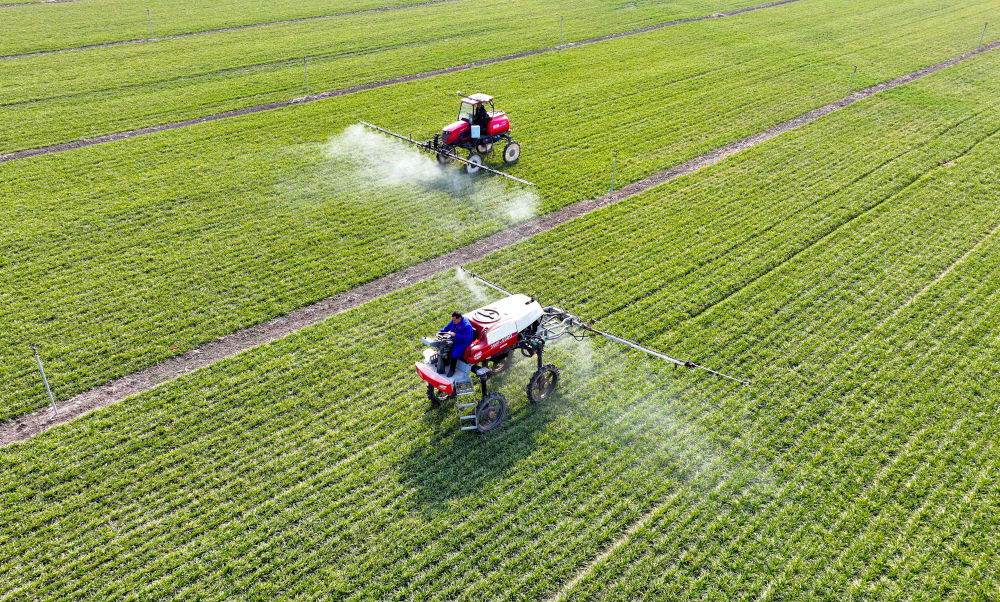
(514, 324)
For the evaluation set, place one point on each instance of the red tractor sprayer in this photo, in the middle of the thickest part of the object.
(516, 324)
(478, 131)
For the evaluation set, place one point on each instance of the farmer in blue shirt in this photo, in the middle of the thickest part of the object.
(461, 334)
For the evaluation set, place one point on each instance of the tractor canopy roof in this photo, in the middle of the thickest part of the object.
(476, 99)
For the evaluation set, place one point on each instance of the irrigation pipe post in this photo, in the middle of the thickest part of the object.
(149, 17)
(851, 87)
(52, 400)
(306, 69)
(614, 168)
(982, 35)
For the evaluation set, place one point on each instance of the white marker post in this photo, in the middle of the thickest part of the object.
(614, 168)
(306, 69)
(45, 380)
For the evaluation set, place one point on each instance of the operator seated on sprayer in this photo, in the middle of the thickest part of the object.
(461, 333)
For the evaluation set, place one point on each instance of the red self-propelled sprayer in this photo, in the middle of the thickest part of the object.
(515, 324)
(478, 129)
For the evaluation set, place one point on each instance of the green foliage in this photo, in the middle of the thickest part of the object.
(127, 253)
(68, 96)
(848, 268)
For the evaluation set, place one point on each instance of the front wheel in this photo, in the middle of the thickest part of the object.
(436, 396)
(511, 152)
(543, 383)
(490, 412)
(475, 162)
(443, 159)
(499, 365)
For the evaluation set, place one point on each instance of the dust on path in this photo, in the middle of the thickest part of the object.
(65, 146)
(27, 426)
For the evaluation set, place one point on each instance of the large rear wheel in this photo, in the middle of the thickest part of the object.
(443, 159)
(543, 383)
(490, 412)
(511, 152)
(484, 148)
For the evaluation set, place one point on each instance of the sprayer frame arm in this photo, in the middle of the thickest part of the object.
(451, 156)
(568, 320)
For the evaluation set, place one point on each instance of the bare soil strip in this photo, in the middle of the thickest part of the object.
(41, 3)
(65, 146)
(205, 32)
(25, 427)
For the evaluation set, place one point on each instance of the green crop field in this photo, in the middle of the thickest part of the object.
(161, 243)
(847, 268)
(61, 97)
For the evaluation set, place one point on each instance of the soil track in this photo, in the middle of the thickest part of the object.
(40, 3)
(65, 146)
(228, 346)
(206, 32)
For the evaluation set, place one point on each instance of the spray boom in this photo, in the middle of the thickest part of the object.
(556, 322)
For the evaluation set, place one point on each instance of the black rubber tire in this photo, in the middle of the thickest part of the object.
(436, 396)
(490, 412)
(443, 159)
(484, 148)
(475, 162)
(511, 152)
(542, 383)
(501, 364)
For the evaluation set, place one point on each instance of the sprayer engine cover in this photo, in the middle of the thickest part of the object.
(497, 327)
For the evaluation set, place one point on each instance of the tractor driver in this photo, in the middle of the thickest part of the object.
(461, 333)
(482, 118)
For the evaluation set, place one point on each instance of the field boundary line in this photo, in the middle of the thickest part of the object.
(282, 104)
(205, 32)
(40, 2)
(31, 424)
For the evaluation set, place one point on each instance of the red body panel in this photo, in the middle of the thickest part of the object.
(452, 132)
(436, 380)
(498, 124)
(479, 351)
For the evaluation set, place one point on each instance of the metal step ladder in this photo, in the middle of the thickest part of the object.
(465, 398)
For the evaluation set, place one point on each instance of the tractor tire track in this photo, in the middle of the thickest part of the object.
(205, 32)
(75, 144)
(29, 425)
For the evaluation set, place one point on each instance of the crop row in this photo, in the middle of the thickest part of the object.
(87, 22)
(313, 467)
(58, 98)
(124, 254)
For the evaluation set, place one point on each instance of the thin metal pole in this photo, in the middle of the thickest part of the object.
(718, 10)
(45, 380)
(561, 30)
(306, 68)
(851, 87)
(614, 168)
(983, 34)
(149, 17)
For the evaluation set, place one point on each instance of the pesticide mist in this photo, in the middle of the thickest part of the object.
(377, 163)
